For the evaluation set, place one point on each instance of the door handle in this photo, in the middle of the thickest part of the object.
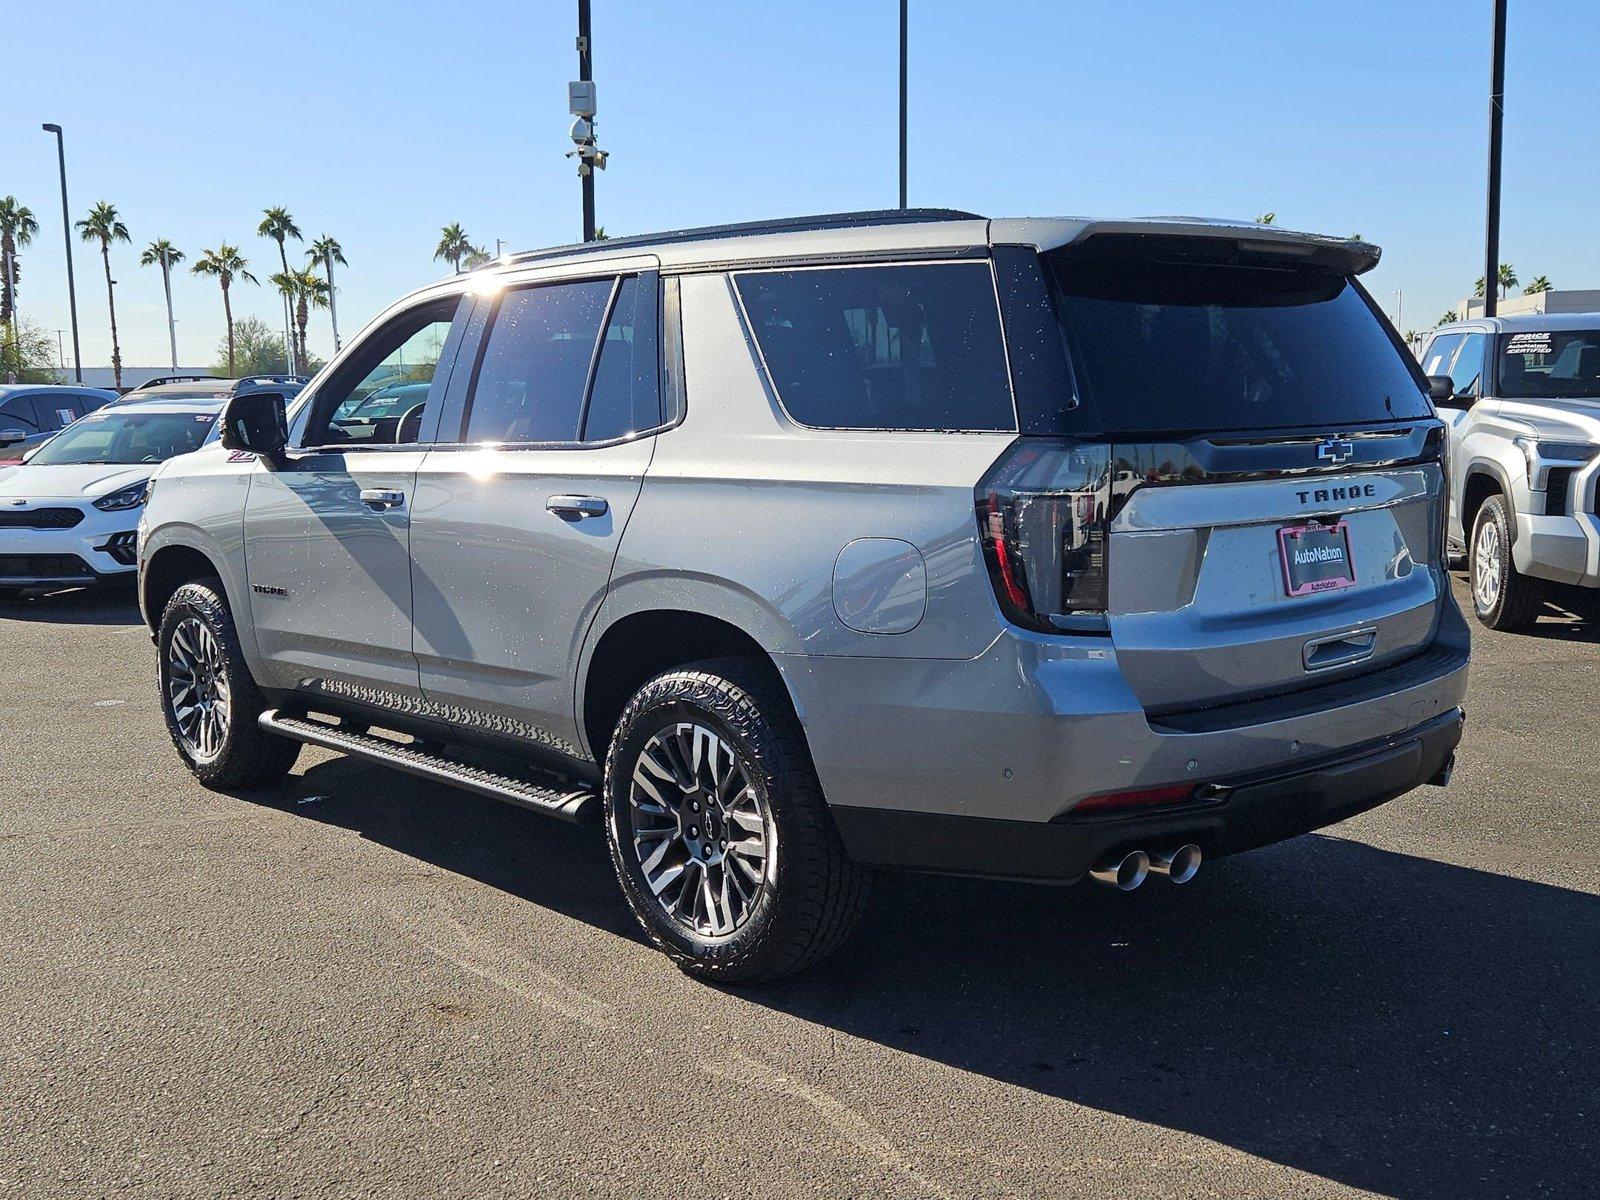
(380, 499)
(1339, 650)
(576, 508)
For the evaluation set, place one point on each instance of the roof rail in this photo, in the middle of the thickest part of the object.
(880, 216)
(269, 379)
(161, 380)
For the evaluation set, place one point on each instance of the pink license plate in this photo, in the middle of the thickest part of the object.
(1316, 558)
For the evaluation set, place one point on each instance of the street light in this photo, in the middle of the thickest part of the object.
(66, 231)
(903, 6)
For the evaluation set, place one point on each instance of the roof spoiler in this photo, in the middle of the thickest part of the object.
(1346, 256)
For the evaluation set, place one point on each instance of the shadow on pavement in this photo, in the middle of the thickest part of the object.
(1385, 1021)
(112, 604)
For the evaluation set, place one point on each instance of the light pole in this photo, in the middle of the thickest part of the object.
(61, 349)
(580, 103)
(1497, 114)
(66, 231)
(903, 66)
(1399, 306)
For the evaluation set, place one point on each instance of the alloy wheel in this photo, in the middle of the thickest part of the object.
(700, 830)
(197, 688)
(1486, 566)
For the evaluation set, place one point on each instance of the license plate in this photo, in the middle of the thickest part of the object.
(1316, 558)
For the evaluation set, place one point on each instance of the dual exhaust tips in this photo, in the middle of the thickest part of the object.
(1128, 870)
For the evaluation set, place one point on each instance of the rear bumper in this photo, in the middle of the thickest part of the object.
(1243, 814)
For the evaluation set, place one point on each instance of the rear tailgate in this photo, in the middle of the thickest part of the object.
(1273, 480)
(1227, 585)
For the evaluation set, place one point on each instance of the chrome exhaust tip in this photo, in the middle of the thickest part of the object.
(1124, 872)
(1179, 864)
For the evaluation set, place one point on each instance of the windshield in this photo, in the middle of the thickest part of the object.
(1165, 340)
(1550, 363)
(126, 438)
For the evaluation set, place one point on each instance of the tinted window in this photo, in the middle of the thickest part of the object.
(379, 396)
(530, 387)
(625, 397)
(1437, 359)
(127, 438)
(17, 413)
(1550, 363)
(915, 347)
(1466, 373)
(1164, 340)
(54, 410)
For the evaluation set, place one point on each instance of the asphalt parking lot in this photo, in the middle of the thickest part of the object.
(358, 984)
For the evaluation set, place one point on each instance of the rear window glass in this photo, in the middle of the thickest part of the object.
(893, 347)
(1184, 344)
(1550, 363)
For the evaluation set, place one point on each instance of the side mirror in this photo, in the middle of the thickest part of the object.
(10, 437)
(257, 423)
(1442, 390)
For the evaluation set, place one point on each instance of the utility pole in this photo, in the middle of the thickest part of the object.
(1497, 113)
(586, 75)
(10, 266)
(903, 6)
(66, 230)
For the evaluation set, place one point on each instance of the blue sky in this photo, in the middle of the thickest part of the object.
(378, 123)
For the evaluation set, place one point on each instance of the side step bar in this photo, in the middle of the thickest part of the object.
(577, 804)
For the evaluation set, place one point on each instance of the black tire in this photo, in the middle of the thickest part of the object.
(245, 755)
(812, 896)
(1507, 600)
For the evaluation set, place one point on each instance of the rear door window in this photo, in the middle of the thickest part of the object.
(1170, 341)
(536, 364)
(625, 398)
(891, 347)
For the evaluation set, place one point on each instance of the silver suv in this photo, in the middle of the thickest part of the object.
(1040, 549)
(1524, 412)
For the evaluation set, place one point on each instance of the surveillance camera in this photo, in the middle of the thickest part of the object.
(582, 131)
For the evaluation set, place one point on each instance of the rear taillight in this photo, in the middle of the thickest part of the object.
(1043, 519)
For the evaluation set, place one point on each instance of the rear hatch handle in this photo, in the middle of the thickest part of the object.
(1339, 649)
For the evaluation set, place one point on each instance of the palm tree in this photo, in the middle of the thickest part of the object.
(1508, 279)
(1540, 284)
(1267, 218)
(454, 245)
(17, 228)
(306, 290)
(475, 257)
(162, 253)
(225, 265)
(277, 224)
(103, 225)
(1448, 317)
(327, 252)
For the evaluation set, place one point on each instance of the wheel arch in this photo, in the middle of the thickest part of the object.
(171, 565)
(635, 640)
(1484, 478)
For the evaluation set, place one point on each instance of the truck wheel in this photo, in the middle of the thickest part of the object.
(1502, 596)
(208, 697)
(718, 830)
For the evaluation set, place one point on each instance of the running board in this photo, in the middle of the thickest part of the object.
(577, 804)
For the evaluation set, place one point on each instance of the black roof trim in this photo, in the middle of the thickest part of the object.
(849, 220)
